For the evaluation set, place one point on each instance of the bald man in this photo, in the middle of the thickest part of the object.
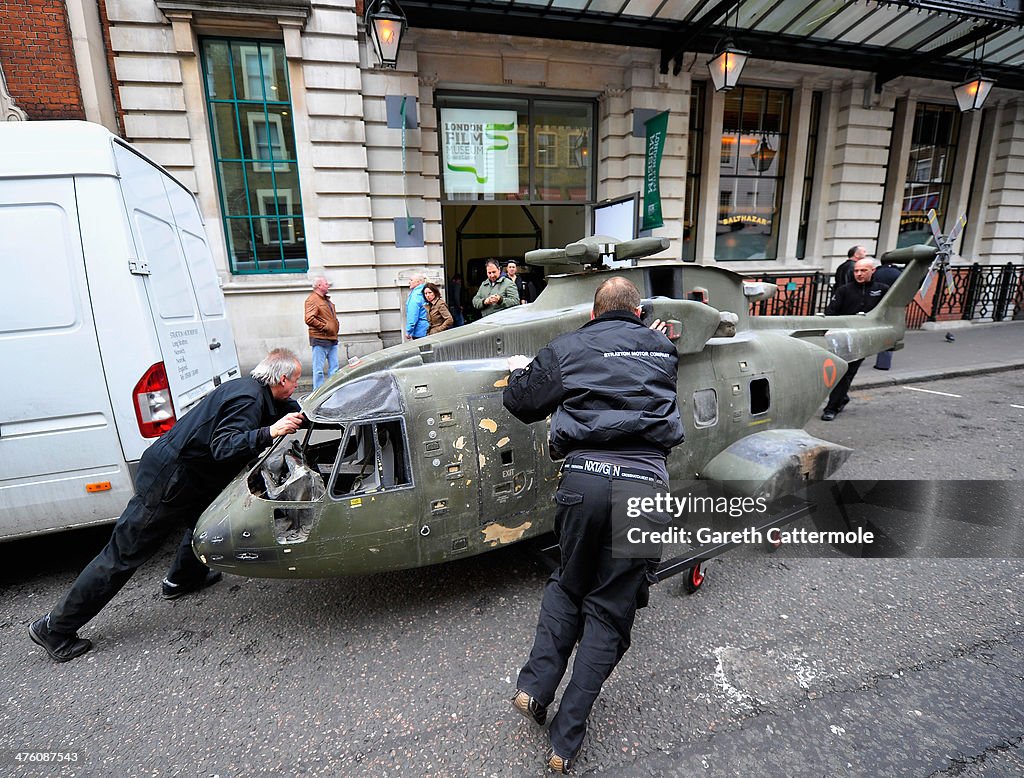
(610, 389)
(859, 296)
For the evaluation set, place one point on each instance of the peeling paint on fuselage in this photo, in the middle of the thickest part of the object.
(496, 534)
(489, 424)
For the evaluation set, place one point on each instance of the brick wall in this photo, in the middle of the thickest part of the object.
(37, 59)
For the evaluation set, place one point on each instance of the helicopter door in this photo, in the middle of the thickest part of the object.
(507, 453)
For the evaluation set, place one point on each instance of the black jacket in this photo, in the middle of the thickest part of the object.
(886, 274)
(525, 289)
(855, 298)
(844, 273)
(611, 384)
(227, 429)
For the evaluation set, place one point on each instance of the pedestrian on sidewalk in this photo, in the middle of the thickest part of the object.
(886, 274)
(859, 296)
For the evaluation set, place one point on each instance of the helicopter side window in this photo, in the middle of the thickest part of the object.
(373, 457)
(705, 408)
(760, 396)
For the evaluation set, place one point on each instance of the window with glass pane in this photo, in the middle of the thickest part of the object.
(755, 130)
(929, 171)
(253, 136)
(500, 149)
(562, 176)
(693, 167)
(812, 152)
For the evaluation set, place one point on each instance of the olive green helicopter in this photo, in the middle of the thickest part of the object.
(410, 459)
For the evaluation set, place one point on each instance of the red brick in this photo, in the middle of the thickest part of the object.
(38, 60)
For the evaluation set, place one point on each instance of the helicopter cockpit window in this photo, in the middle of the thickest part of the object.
(375, 395)
(760, 396)
(705, 408)
(373, 457)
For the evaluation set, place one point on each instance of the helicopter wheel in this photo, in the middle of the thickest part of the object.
(694, 578)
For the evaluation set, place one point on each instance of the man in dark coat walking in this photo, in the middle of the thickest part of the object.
(178, 477)
(859, 296)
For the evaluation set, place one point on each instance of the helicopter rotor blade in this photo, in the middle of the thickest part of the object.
(957, 229)
(933, 222)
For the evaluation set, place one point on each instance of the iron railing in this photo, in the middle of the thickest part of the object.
(989, 292)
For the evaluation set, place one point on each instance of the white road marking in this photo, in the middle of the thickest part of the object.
(1017, 406)
(931, 391)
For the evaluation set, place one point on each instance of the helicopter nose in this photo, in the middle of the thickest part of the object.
(212, 542)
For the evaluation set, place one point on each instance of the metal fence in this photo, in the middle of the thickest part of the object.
(981, 292)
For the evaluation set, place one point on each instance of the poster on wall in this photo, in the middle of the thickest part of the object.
(481, 151)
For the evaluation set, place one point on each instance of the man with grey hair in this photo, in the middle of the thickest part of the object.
(322, 320)
(178, 477)
(416, 324)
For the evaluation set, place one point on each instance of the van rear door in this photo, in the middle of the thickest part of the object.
(184, 342)
(204, 280)
(57, 434)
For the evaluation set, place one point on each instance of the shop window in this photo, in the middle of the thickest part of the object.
(695, 143)
(808, 182)
(253, 137)
(503, 149)
(929, 171)
(755, 131)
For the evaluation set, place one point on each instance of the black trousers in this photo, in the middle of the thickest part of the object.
(163, 503)
(839, 392)
(591, 598)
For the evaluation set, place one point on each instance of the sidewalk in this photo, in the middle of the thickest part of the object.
(928, 356)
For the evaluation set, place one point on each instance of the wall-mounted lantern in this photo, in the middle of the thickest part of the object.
(385, 24)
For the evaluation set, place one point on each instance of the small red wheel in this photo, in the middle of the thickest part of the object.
(694, 578)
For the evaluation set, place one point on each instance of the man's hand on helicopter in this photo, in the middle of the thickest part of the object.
(660, 326)
(287, 424)
(518, 362)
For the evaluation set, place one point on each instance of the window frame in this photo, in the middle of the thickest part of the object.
(234, 118)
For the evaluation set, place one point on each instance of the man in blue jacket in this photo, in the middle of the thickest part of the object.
(416, 324)
(610, 389)
(178, 477)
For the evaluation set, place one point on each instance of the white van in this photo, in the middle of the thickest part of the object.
(112, 321)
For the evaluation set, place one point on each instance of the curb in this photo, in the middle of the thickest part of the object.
(922, 376)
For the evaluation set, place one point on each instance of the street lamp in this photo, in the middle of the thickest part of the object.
(385, 24)
(972, 93)
(726, 67)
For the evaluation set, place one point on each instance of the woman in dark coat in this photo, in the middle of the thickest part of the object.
(439, 317)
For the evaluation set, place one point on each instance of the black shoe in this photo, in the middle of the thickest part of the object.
(842, 404)
(828, 415)
(172, 591)
(60, 647)
(529, 707)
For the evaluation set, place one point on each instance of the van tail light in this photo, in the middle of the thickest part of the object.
(153, 407)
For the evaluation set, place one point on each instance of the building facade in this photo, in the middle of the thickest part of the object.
(309, 159)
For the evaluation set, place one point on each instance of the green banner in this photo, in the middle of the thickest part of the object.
(657, 129)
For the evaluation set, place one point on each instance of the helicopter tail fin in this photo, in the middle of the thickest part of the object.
(894, 304)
